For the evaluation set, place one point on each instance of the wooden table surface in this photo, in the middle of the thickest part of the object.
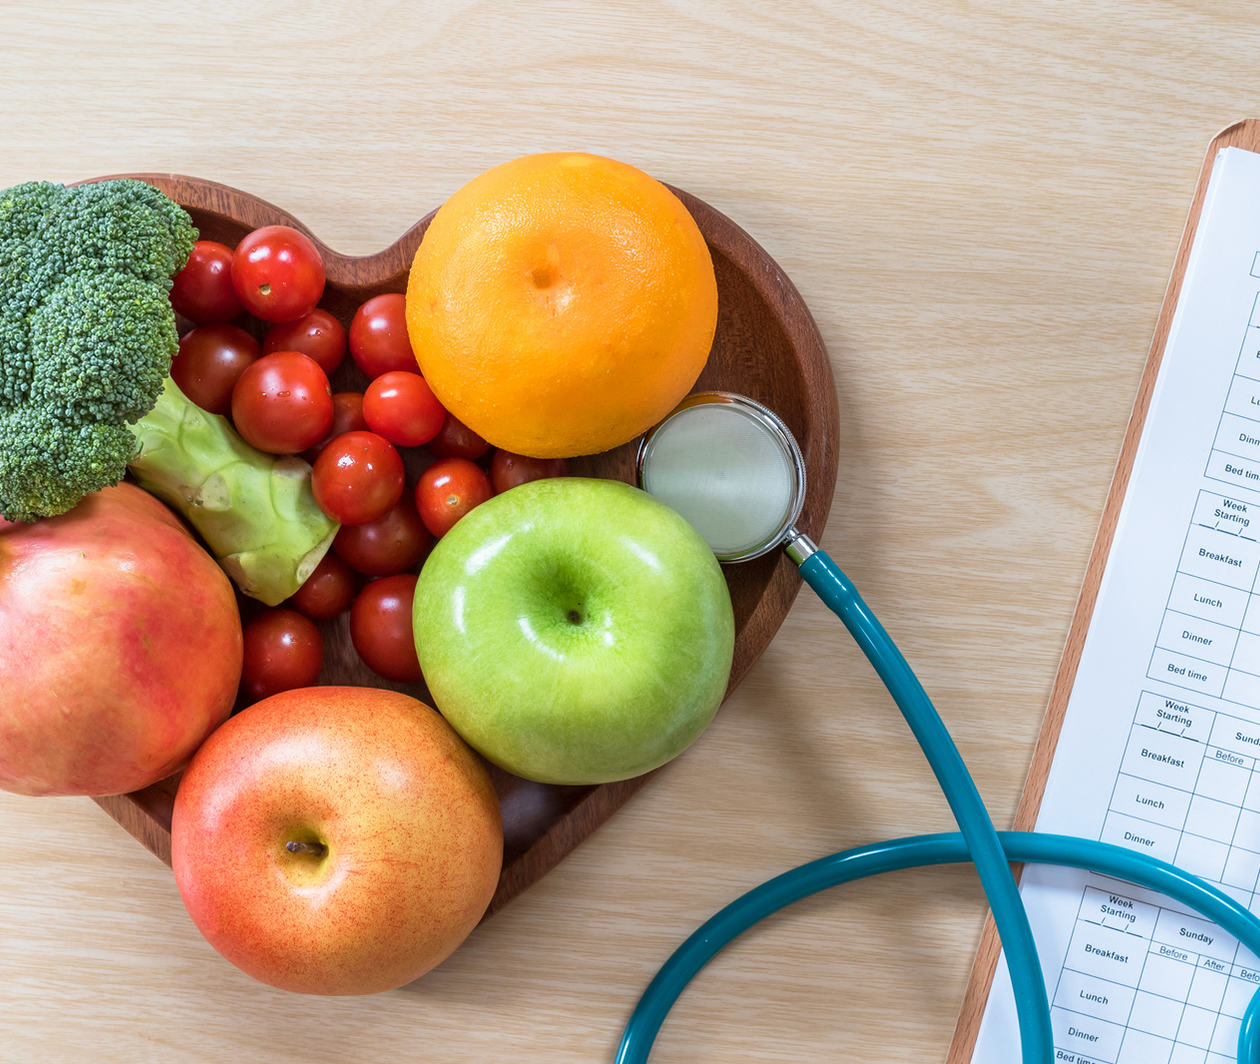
(979, 201)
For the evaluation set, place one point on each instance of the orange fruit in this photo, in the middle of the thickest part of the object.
(561, 304)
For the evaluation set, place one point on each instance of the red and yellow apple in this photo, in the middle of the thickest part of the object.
(120, 647)
(336, 840)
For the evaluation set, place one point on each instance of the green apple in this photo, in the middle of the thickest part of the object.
(574, 631)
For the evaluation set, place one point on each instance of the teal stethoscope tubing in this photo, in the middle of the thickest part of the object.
(992, 864)
(918, 852)
(977, 841)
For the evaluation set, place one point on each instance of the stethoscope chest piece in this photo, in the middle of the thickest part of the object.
(730, 466)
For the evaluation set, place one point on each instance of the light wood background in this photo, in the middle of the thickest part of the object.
(979, 201)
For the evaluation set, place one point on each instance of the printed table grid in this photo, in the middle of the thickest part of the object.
(1143, 982)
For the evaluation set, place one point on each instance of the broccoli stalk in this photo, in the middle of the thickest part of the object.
(255, 511)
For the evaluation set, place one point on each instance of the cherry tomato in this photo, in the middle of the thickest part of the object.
(347, 413)
(508, 470)
(278, 273)
(378, 336)
(283, 650)
(457, 440)
(318, 334)
(202, 291)
(328, 591)
(209, 362)
(380, 628)
(358, 477)
(282, 403)
(402, 407)
(347, 417)
(395, 543)
(447, 490)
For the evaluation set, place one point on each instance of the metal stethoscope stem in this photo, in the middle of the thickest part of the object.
(798, 546)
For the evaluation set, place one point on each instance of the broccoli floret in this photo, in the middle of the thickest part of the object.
(45, 466)
(125, 225)
(87, 333)
(87, 320)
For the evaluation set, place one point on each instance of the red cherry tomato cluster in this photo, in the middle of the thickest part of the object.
(388, 462)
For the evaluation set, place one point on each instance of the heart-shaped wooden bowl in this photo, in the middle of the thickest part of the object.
(767, 347)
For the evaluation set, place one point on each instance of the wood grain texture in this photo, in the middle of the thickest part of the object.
(766, 346)
(979, 202)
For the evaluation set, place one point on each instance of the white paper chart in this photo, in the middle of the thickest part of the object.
(1160, 745)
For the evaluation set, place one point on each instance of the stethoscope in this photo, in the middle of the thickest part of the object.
(731, 467)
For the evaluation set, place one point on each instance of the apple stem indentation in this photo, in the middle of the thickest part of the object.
(314, 849)
(574, 616)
